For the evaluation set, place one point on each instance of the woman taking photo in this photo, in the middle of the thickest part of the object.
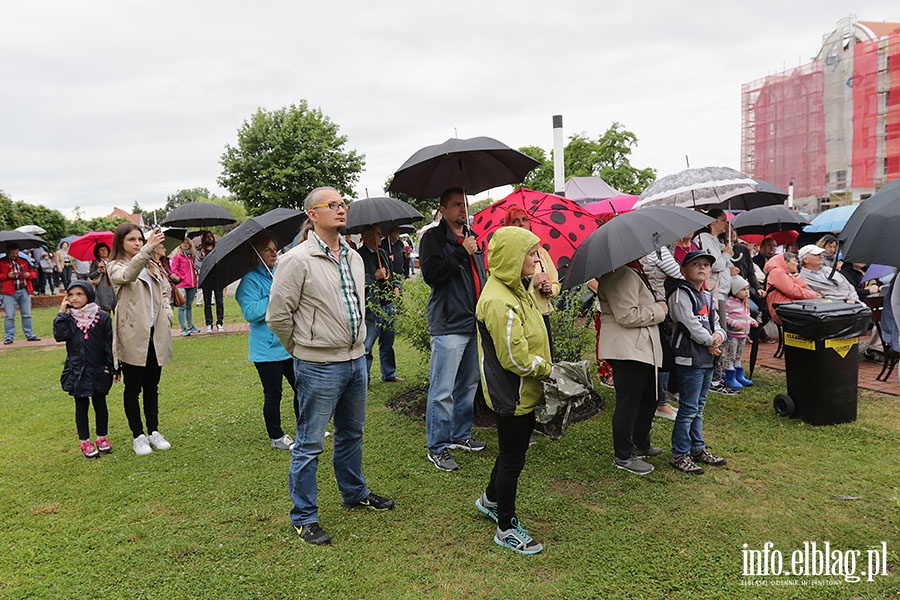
(142, 340)
(183, 267)
(272, 361)
(514, 354)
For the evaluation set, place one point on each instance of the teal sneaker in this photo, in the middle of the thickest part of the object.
(516, 538)
(487, 507)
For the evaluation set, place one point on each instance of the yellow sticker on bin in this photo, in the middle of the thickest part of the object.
(795, 341)
(842, 346)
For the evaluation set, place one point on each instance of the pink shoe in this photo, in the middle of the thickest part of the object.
(103, 445)
(88, 449)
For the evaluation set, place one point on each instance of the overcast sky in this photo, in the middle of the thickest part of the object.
(104, 103)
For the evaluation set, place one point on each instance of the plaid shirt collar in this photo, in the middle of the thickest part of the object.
(348, 288)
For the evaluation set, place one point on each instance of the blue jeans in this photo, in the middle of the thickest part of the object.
(187, 309)
(381, 327)
(451, 390)
(325, 391)
(687, 433)
(10, 302)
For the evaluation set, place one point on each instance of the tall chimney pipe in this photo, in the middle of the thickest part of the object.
(559, 171)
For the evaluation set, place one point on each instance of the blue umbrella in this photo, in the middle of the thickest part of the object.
(68, 238)
(832, 220)
(877, 272)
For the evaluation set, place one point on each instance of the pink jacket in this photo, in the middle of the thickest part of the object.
(737, 318)
(183, 266)
(783, 287)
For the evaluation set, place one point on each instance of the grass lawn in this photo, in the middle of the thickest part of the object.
(209, 518)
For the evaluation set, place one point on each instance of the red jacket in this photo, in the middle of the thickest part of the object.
(7, 285)
(783, 287)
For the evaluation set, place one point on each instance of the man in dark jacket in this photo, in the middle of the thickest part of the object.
(453, 266)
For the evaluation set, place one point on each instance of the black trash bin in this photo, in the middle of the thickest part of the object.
(821, 359)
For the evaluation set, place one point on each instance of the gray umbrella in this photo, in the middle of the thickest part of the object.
(32, 229)
(766, 194)
(871, 234)
(475, 165)
(704, 186)
(630, 236)
(388, 212)
(769, 219)
(21, 239)
(233, 255)
(198, 214)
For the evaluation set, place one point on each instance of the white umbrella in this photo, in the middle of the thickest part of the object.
(33, 229)
(693, 188)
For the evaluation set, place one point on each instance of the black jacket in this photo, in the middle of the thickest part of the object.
(447, 269)
(89, 362)
(378, 293)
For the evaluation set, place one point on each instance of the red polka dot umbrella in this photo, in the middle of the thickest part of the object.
(560, 223)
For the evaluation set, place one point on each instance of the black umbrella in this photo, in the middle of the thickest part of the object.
(198, 214)
(21, 239)
(475, 165)
(388, 212)
(232, 257)
(871, 234)
(769, 219)
(630, 236)
(174, 237)
(766, 194)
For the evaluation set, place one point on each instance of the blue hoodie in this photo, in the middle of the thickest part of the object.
(253, 297)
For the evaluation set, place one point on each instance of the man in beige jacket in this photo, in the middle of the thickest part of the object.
(317, 311)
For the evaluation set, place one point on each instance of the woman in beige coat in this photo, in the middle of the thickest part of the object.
(142, 339)
(630, 342)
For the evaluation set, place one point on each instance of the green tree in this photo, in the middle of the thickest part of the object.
(283, 154)
(540, 178)
(608, 157)
(53, 221)
(7, 212)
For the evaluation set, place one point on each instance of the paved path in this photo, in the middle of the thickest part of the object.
(176, 334)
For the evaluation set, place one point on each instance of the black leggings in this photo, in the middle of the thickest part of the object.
(144, 378)
(513, 435)
(635, 405)
(100, 412)
(270, 374)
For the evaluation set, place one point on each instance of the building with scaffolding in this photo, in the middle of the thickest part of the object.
(832, 126)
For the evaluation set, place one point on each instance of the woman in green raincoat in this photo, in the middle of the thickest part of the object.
(514, 355)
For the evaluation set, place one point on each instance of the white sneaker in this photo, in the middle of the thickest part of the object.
(220, 328)
(157, 440)
(283, 443)
(209, 329)
(141, 445)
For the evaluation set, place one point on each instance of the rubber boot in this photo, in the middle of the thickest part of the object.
(731, 381)
(739, 375)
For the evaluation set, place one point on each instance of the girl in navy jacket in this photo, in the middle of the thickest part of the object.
(88, 372)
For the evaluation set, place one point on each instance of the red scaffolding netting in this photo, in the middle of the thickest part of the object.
(892, 112)
(865, 113)
(783, 129)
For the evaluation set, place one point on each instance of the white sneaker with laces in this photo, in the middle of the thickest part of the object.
(283, 443)
(209, 329)
(220, 328)
(157, 440)
(141, 445)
